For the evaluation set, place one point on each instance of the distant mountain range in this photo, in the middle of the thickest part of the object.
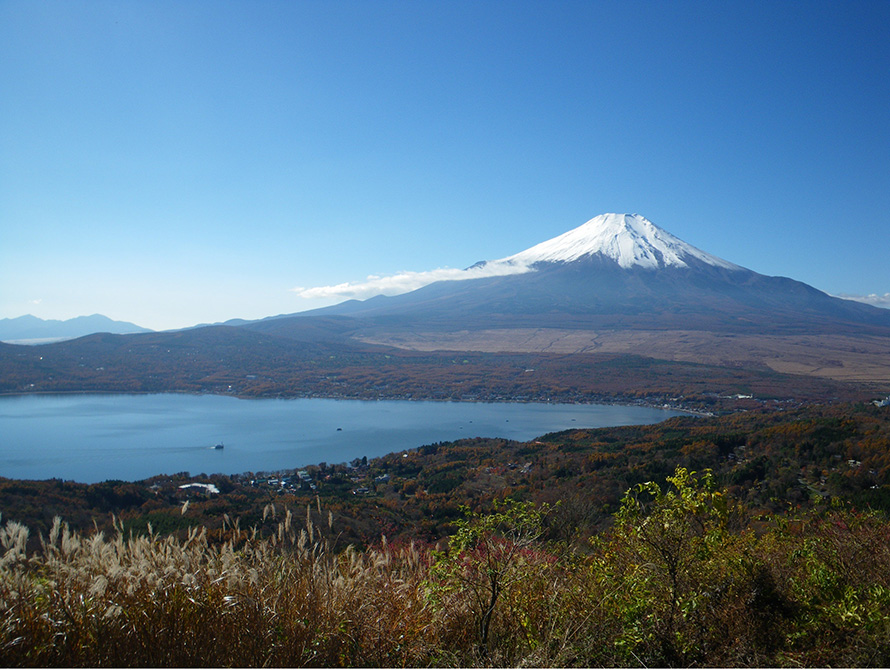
(29, 327)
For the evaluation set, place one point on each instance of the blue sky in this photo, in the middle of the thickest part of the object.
(172, 163)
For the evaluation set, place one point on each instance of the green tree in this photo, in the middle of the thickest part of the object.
(671, 568)
(487, 555)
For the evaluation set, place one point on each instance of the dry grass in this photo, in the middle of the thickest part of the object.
(160, 601)
(839, 357)
(284, 600)
(801, 593)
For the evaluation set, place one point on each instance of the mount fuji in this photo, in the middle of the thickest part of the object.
(617, 284)
(617, 271)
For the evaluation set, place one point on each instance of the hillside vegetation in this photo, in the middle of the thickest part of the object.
(747, 540)
(684, 576)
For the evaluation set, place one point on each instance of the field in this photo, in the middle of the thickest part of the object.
(839, 357)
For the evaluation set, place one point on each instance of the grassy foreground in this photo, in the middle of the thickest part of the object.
(684, 576)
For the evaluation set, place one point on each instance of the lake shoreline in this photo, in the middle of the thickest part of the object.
(99, 436)
(606, 400)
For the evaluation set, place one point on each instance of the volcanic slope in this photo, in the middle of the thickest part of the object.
(621, 284)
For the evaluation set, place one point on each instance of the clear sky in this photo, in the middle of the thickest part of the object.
(178, 162)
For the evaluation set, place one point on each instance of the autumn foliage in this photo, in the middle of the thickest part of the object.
(684, 576)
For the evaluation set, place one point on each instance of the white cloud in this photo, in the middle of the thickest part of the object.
(409, 281)
(871, 299)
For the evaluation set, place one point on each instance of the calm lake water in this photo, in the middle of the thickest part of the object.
(92, 438)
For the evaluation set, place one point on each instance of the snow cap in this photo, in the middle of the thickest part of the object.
(629, 239)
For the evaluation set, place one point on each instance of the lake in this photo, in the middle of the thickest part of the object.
(92, 438)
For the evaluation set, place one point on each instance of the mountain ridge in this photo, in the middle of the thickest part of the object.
(30, 327)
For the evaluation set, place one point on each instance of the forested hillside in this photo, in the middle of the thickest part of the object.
(759, 538)
(225, 360)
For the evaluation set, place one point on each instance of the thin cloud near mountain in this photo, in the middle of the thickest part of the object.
(403, 282)
(872, 299)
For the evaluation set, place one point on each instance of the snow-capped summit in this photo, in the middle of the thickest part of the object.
(629, 239)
